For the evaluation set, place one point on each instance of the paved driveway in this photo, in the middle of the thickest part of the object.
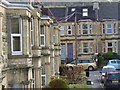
(95, 78)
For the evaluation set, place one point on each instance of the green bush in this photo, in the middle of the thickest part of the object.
(100, 61)
(59, 83)
(79, 86)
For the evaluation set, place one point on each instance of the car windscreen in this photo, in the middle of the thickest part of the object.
(104, 70)
(114, 76)
(73, 62)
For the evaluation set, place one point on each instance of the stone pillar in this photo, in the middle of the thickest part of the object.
(36, 34)
(37, 78)
(37, 69)
(47, 37)
(52, 60)
(1, 34)
(30, 77)
(57, 64)
(48, 72)
(25, 36)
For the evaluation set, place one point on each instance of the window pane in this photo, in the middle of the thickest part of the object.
(69, 32)
(15, 25)
(69, 27)
(85, 50)
(61, 30)
(109, 28)
(85, 26)
(85, 44)
(42, 40)
(16, 43)
(85, 32)
(90, 28)
(43, 80)
(110, 50)
(109, 44)
(42, 29)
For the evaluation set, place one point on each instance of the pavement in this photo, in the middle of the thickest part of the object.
(95, 78)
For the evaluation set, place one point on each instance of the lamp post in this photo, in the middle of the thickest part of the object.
(76, 53)
(96, 8)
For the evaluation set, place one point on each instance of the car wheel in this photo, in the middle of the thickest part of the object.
(90, 68)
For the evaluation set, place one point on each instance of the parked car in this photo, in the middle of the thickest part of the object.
(88, 64)
(115, 63)
(104, 70)
(112, 80)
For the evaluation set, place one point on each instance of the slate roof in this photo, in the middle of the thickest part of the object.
(109, 10)
(106, 11)
(61, 13)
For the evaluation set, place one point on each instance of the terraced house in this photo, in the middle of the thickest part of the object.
(87, 29)
(30, 46)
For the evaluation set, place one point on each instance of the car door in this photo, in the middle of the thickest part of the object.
(118, 63)
(114, 63)
(85, 64)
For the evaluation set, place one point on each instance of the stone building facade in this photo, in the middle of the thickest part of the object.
(86, 29)
(30, 46)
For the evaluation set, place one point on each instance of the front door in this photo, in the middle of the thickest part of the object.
(70, 51)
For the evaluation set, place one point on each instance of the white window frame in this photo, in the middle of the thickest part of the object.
(69, 29)
(103, 28)
(42, 35)
(115, 28)
(109, 46)
(43, 75)
(17, 35)
(90, 47)
(109, 28)
(115, 48)
(33, 77)
(61, 27)
(85, 47)
(90, 28)
(85, 12)
(85, 29)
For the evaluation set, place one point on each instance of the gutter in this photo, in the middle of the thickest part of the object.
(16, 6)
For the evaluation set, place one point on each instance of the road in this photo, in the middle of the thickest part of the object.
(95, 78)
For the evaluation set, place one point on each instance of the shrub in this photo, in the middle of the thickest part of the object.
(100, 61)
(59, 83)
(80, 86)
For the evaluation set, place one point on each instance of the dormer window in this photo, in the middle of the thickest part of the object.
(85, 12)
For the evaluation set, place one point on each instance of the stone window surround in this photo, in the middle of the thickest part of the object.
(114, 46)
(90, 47)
